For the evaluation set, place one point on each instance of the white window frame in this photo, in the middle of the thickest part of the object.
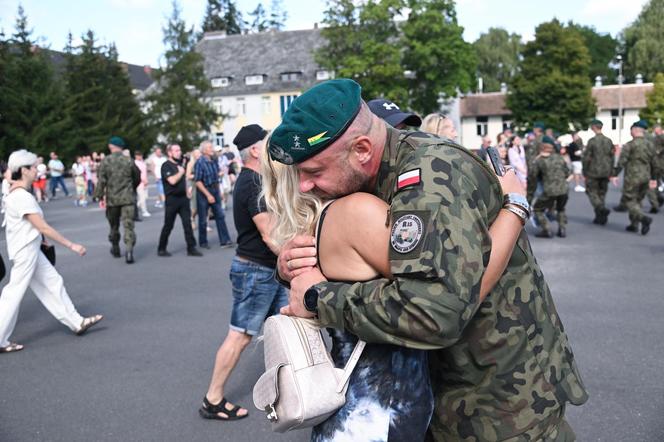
(241, 106)
(266, 104)
(323, 75)
(481, 126)
(252, 80)
(219, 139)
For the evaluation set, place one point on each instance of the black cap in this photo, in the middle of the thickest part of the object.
(248, 136)
(391, 113)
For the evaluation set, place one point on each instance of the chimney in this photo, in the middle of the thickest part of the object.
(480, 85)
(598, 81)
(639, 79)
(147, 69)
(503, 88)
(214, 35)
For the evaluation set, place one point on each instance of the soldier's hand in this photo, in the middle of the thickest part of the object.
(299, 285)
(297, 256)
(77, 248)
(210, 199)
(614, 181)
(652, 184)
(510, 183)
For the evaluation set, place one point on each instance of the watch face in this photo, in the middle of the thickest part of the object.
(311, 300)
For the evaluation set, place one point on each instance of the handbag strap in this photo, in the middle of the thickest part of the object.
(350, 365)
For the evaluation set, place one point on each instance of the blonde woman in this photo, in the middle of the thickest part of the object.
(439, 124)
(389, 395)
(25, 227)
(193, 157)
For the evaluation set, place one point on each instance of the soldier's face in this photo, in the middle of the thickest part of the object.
(330, 175)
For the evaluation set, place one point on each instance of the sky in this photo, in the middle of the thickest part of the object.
(136, 25)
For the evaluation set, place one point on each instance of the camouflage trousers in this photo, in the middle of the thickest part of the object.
(544, 203)
(633, 194)
(654, 197)
(596, 189)
(113, 215)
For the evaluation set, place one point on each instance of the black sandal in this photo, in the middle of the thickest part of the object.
(210, 411)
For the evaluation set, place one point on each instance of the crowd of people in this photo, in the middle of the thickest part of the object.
(438, 277)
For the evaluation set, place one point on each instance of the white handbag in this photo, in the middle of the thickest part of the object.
(300, 387)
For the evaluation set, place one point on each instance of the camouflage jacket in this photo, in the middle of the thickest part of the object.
(598, 157)
(638, 160)
(500, 369)
(116, 179)
(659, 155)
(552, 171)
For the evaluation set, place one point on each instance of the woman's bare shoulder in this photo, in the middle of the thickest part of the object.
(361, 204)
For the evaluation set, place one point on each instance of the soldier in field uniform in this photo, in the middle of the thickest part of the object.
(597, 168)
(117, 178)
(501, 369)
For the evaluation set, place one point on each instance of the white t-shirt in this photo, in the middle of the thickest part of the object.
(19, 231)
(158, 162)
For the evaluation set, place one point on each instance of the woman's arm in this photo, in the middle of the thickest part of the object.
(45, 229)
(504, 232)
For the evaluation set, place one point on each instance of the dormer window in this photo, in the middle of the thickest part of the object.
(221, 82)
(291, 76)
(251, 80)
(324, 75)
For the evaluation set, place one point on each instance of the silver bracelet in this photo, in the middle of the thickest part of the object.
(523, 216)
(517, 200)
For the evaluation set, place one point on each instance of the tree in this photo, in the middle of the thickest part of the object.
(654, 110)
(363, 44)
(30, 94)
(278, 16)
(178, 109)
(603, 49)
(223, 15)
(553, 84)
(435, 51)
(259, 22)
(497, 57)
(641, 42)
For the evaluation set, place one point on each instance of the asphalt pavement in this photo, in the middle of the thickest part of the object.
(141, 374)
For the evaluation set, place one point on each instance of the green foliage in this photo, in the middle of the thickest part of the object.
(497, 57)
(365, 43)
(258, 21)
(223, 15)
(642, 42)
(29, 94)
(654, 110)
(278, 16)
(177, 106)
(603, 49)
(553, 84)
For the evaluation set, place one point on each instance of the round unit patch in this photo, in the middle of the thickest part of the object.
(406, 233)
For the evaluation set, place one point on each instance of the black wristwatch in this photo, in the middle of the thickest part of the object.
(311, 300)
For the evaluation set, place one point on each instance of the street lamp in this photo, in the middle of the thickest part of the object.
(620, 99)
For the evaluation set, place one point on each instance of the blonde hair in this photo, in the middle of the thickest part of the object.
(293, 212)
(432, 123)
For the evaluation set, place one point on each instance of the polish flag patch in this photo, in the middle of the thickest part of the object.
(410, 178)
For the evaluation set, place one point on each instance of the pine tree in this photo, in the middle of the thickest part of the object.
(435, 51)
(259, 22)
(278, 16)
(29, 93)
(223, 15)
(654, 110)
(553, 83)
(178, 109)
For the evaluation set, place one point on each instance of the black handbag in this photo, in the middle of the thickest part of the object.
(49, 251)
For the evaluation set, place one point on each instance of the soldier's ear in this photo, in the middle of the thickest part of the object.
(363, 149)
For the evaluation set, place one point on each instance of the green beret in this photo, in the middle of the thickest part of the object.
(643, 124)
(596, 122)
(539, 125)
(117, 141)
(314, 120)
(548, 140)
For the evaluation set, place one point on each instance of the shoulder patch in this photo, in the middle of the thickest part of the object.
(406, 233)
(410, 178)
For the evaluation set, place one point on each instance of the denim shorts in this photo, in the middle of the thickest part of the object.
(160, 187)
(256, 296)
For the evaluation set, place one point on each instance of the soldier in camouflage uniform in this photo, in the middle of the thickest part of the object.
(532, 151)
(654, 196)
(551, 169)
(500, 369)
(637, 158)
(597, 163)
(117, 178)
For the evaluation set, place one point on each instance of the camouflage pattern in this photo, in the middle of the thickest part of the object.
(532, 152)
(552, 171)
(598, 157)
(596, 189)
(552, 204)
(500, 369)
(654, 195)
(126, 213)
(117, 180)
(638, 160)
(117, 177)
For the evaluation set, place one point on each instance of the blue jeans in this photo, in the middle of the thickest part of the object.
(55, 181)
(202, 205)
(256, 295)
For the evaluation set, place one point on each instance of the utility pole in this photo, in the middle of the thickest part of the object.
(620, 99)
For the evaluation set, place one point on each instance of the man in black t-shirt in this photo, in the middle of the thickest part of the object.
(177, 202)
(256, 294)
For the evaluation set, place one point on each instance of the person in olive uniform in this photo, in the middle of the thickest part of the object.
(500, 369)
(597, 163)
(655, 197)
(551, 169)
(117, 179)
(638, 160)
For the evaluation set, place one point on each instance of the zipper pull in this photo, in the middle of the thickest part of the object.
(387, 220)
